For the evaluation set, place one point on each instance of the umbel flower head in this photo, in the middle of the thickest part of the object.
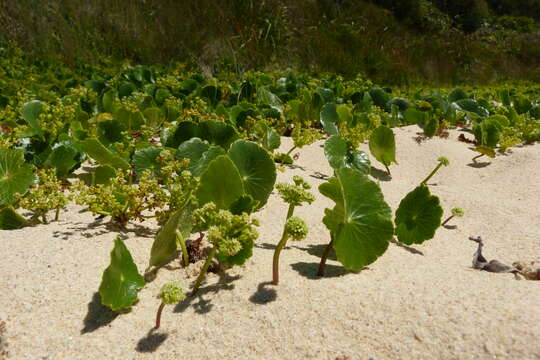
(172, 293)
(296, 228)
(295, 194)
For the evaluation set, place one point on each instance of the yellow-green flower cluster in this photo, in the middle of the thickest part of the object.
(172, 293)
(295, 194)
(296, 228)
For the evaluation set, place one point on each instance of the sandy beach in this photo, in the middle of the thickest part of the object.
(420, 303)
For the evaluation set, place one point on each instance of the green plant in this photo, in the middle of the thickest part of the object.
(171, 293)
(456, 212)
(295, 195)
(382, 146)
(442, 161)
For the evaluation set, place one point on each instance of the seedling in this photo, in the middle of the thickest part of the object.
(295, 228)
(171, 293)
(456, 212)
(442, 161)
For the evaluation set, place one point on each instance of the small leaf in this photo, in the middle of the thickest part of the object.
(103, 174)
(257, 169)
(265, 96)
(221, 183)
(329, 118)
(418, 216)
(121, 280)
(382, 145)
(62, 158)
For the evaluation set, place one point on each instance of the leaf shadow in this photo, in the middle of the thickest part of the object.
(151, 341)
(450, 227)
(318, 250)
(406, 247)
(263, 295)
(203, 305)
(309, 270)
(379, 174)
(98, 315)
(266, 246)
(479, 165)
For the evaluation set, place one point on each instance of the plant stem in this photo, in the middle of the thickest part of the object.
(476, 157)
(180, 240)
(325, 256)
(387, 170)
(290, 151)
(57, 214)
(432, 173)
(204, 269)
(447, 220)
(158, 315)
(44, 218)
(279, 247)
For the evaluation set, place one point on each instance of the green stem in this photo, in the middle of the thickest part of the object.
(447, 220)
(57, 214)
(387, 170)
(158, 315)
(325, 256)
(204, 269)
(279, 247)
(290, 151)
(431, 173)
(180, 240)
(44, 218)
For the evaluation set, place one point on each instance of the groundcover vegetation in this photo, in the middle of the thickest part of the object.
(199, 155)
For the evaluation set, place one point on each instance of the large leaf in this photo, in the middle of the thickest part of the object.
(382, 145)
(30, 112)
(456, 95)
(129, 120)
(256, 167)
(361, 221)
(218, 133)
(10, 219)
(418, 216)
(63, 158)
(221, 183)
(15, 175)
(473, 106)
(146, 159)
(95, 149)
(165, 245)
(199, 153)
(265, 96)
(339, 155)
(121, 280)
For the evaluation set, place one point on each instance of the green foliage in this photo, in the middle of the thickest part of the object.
(418, 216)
(172, 293)
(121, 280)
(15, 176)
(382, 145)
(341, 154)
(361, 222)
(295, 194)
(10, 219)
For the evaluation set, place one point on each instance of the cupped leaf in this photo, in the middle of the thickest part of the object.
(15, 176)
(103, 174)
(256, 167)
(418, 216)
(165, 245)
(265, 96)
(380, 97)
(473, 106)
(456, 95)
(121, 279)
(130, 120)
(63, 158)
(361, 221)
(382, 145)
(329, 118)
(10, 219)
(218, 133)
(199, 153)
(30, 113)
(221, 183)
(95, 149)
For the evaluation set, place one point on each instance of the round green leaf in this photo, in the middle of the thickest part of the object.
(121, 280)
(30, 112)
(418, 216)
(361, 221)
(329, 118)
(382, 145)
(221, 183)
(256, 168)
(146, 159)
(15, 175)
(10, 219)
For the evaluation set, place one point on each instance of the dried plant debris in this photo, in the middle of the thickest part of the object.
(530, 271)
(3, 343)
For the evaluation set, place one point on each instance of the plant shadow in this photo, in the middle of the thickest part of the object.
(379, 174)
(98, 315)
(450, 227)
(263, 295)
(406, 248)
(309, 270)
(199, 303)
(479, 165)
(266, 246)
(318, 250)
(151, 341)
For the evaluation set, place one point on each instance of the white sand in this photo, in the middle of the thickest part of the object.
(405, 306)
